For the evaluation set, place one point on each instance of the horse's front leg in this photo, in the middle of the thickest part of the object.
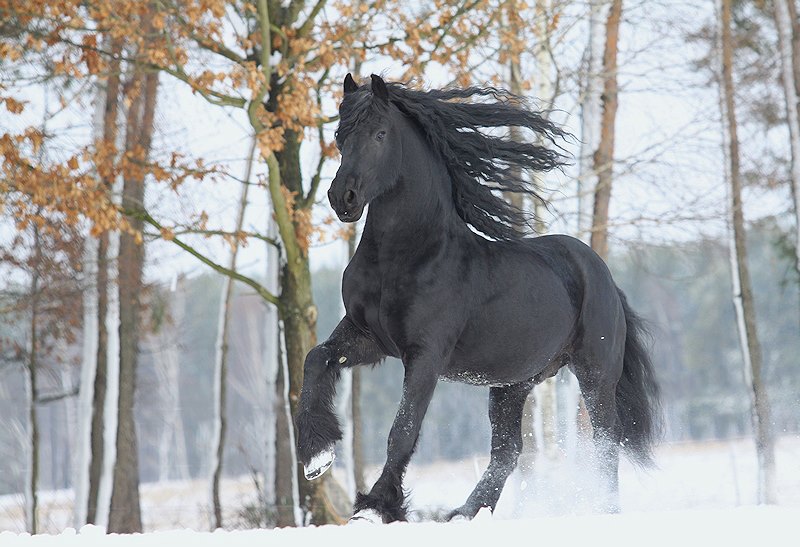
(317, 425)
(386, 500)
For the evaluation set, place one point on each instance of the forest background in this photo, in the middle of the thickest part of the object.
(168, 255)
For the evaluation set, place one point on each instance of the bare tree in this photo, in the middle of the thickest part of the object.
(740, 275)
(221, 351)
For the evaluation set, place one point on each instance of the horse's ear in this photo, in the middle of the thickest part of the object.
(379, 88)
(350, 84)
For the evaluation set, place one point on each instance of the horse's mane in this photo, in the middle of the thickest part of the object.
(480, 165)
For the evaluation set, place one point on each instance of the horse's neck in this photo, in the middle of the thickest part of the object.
(419, 209)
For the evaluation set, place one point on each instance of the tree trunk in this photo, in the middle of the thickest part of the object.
(285, 463)
(795, 34)
(783, 21)
(299, 320)
(742, 291)
(125, 516)
(546, 395)
(91, 327)
(529, 445)
(359, 465)
(172, 458)
(276, 413)
(591, 109)
(97, 443)
(100, 382)
(299, 317)
(289, 481)
(32, 482)
(108, 432)
(604, 155)
(346, 408)
(355, 395)
(221, 360)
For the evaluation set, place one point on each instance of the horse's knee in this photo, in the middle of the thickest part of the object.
(317, 360)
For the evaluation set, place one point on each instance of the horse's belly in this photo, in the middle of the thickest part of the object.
(508, 351)
(501, 368)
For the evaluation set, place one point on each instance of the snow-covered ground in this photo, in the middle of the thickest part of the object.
(699, 492)
(746, 526)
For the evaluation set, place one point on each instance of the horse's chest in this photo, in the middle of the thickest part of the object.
(361, 293)
(377, 302)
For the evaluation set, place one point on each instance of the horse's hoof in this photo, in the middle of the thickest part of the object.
(319, 463)
(366, 516)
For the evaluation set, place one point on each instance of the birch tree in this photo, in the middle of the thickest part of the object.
(790, 70)
(221, 354)
(172, 458)
(85, 411)
(591, 109)
(109, 135)
(31, 484)
(740, 275)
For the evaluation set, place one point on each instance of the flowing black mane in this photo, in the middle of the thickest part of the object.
(480, 165)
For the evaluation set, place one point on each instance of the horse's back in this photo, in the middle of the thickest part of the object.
(542, 297)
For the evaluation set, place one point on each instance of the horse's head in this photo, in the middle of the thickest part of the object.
(370, 145)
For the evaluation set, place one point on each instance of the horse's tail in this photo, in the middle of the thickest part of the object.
(637, 396)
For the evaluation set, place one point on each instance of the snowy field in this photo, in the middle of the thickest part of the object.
(750, 526)
(701, 492)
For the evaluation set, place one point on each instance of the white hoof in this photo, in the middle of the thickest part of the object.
(366, 516)
(319, 464)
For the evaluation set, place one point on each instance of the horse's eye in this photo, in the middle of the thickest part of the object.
(380, 135)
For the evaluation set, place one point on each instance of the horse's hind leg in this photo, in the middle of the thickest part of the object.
(317, 426)
(505, 414)
(598, 387)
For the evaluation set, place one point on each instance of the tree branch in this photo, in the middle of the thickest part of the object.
(262, 291)
(312, 191)
(283, 217)
(44, 399)
(305, 28)
(197, 231)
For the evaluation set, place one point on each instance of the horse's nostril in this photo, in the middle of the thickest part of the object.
(349, 197)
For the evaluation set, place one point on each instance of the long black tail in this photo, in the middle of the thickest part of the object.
(638, 401)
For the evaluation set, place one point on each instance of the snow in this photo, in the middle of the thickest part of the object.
(701, 491)
(742, 526)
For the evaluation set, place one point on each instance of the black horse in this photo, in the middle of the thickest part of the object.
(444, 280)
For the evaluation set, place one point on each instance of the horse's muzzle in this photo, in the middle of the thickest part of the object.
(346, 201)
